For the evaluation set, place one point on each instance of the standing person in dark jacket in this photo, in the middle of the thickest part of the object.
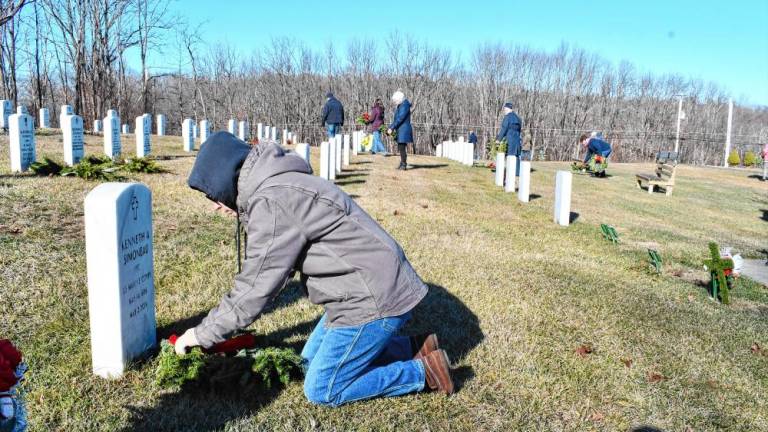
(402, 124)
(510, 132)
(296, 221)
(333, 115)
(377, 119)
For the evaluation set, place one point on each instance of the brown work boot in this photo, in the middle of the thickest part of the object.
(438, 371)
(423, 344)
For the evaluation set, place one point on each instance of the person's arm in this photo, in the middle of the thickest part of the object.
(274, 245)
(325, 114)
(503, 129)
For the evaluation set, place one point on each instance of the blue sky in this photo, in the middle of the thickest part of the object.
(724, 41)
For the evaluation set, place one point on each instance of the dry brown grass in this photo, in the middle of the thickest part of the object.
(514, 297)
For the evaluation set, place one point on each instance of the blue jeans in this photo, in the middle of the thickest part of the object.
(378, 146)
(333, 129)
(347, 364)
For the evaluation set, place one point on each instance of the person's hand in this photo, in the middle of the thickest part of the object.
(389, 131)
(223, 209)
(187, 340)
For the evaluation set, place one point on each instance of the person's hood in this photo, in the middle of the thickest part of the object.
(266, 161)
(217, 168)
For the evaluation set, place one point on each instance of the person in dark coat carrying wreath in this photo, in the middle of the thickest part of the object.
(509, 131)
(358, 273)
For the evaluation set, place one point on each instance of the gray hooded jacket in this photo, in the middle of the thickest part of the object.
(299, 222)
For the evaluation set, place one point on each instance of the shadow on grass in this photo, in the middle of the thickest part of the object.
(349, 174)
(349, 182)
(361, 162)
(424, 166)
(573, 217)
(193, 408)
(765, 214)
(756, 176)
(534, 197)
(171, 157)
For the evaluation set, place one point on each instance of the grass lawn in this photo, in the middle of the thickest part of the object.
(513, 299)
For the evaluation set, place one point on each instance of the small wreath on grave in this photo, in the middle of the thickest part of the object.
(233, 364)
(95, 167)
(723, 271)
(13, 417)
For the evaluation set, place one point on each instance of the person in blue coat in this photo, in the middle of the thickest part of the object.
(333, 115)
(510, 132)
(401, 123)
(594, 146)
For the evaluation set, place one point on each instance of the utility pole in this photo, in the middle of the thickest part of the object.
(680, 116)
(728, 133)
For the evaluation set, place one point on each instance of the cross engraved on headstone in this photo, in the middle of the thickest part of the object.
(135, 207)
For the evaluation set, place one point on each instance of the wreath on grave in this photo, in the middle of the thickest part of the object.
(596, 165)
(233, 364)
(13, 416)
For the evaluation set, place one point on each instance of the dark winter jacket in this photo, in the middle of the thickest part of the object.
(402, 123)
(299, 222)
(510, 132)
(597, 147)
(333, 112)
(377, 118)
(472, 138)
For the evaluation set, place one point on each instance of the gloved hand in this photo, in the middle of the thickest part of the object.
(187, 340)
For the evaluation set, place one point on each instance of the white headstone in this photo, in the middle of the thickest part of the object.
(355, 136)
(45, 118)
(439, 150)
(232, 126)
(461, 139)
(338, 153)
(161, 125)
(499, 169)
(325, 160)
(121, 289)
(97, 126)
(126, 129)
(65, 110)
(274, 133)
(143, 133)
(73, 139)
(524, 188)
(563, 181)
(21, 128)
(510, 178)
(195, 132)
(332, 159)
(259, 131)
(346, 150)
(469, 154)
(302, 149)
(205, 131)
(6, 109)
(112, 146)
(188, 135)
(243, 131)
(21, 109)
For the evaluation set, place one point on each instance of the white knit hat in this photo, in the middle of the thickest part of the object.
(398, 97)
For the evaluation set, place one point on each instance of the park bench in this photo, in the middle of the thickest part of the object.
(664, 177)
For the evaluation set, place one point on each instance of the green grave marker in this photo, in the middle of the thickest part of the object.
(609, 233)
(655, 260)
(718, 267)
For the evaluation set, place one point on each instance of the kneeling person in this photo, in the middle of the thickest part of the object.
(599, 150)
(296, 221)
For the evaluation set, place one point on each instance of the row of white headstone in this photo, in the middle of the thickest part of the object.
(334, 154)
(505, 177)
(459, 151)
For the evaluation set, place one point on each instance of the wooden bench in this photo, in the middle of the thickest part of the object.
(663, 177)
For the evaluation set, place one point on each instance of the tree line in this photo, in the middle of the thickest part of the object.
(96, 54)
